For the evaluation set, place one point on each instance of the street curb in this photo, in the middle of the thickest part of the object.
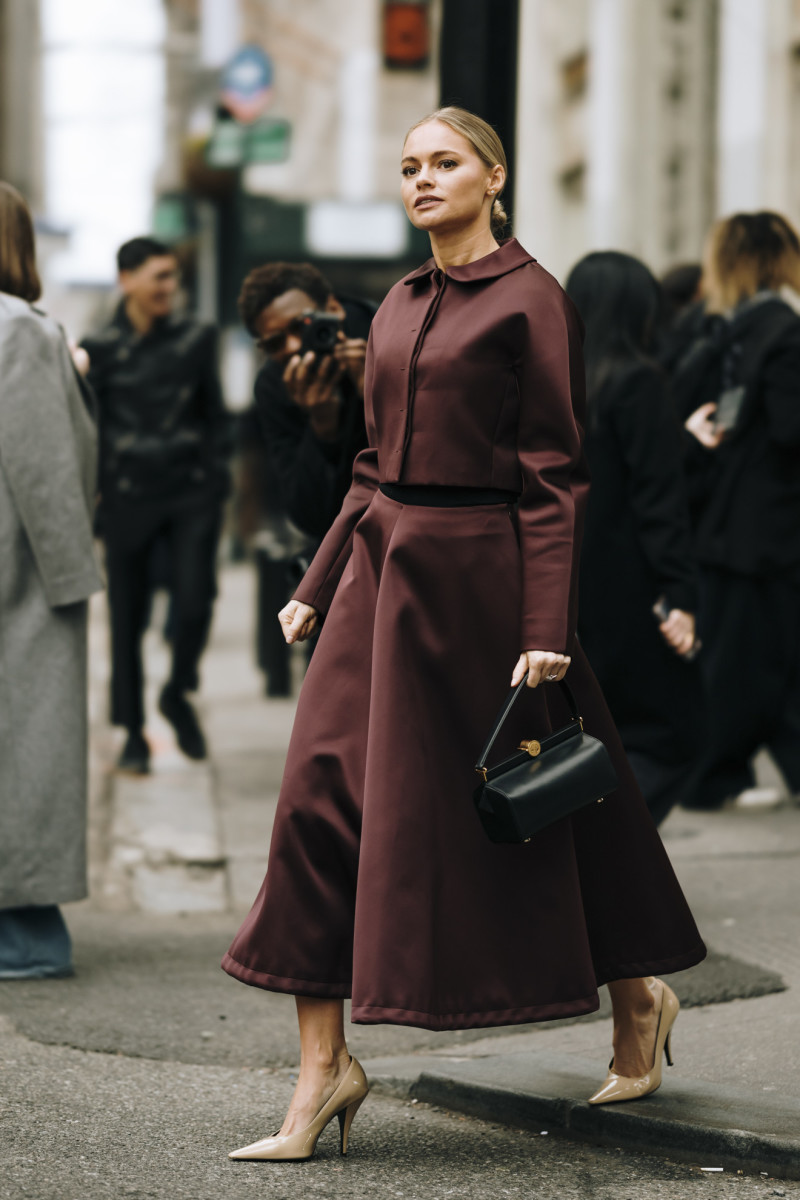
(658, 1126)
(612, 1125)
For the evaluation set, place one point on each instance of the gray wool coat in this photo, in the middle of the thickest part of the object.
(48, 570)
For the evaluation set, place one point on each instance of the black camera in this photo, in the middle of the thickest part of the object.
(319, 331)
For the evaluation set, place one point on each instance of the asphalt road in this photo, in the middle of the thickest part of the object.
(78, 1125)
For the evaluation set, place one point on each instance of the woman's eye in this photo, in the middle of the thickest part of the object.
(408, 170)
(448, 162)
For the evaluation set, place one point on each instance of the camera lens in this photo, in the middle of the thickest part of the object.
(326, 338)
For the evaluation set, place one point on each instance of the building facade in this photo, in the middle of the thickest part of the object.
(639, 121)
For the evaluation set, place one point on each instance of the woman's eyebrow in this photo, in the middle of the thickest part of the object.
(436, 154)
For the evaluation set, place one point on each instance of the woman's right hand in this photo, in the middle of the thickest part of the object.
(701, 426)
(298, 621)
(678, 631)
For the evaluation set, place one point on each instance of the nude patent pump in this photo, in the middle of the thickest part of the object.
(620, 1087)
(344, 1104)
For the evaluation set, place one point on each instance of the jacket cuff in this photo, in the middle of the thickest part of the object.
(681, 594)
(304, 597)
(71, 589)
(539, 634)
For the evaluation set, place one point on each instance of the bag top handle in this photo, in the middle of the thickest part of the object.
(506, 709)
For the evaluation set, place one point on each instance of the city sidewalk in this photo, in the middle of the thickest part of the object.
(192, 839)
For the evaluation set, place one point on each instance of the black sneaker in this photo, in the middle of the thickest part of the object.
(135, 756)
(182, 717)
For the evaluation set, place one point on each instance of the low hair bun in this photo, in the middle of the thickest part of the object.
(499, 217)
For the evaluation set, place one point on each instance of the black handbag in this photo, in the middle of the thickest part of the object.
(544, 780)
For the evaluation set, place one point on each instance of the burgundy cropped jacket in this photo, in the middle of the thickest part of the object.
(475, 378)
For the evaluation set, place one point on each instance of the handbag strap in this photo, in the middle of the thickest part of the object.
(506, 709)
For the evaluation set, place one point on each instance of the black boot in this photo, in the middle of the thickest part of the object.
(135, 756)
(180, 714)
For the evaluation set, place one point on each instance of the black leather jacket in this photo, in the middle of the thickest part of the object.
(164, 430)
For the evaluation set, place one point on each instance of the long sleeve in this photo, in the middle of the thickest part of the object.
(648, 435)
(304, 467)
(40, 460)
(550, 378)
(320, 581)
(780, 394)
(212, 403)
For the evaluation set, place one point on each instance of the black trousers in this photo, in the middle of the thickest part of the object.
(189, 529)
(750, 629)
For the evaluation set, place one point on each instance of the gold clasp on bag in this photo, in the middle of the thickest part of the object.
(533, 747)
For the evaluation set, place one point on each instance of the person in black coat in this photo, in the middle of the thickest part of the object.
(637, 550)
(737, 385)
(300, 438)
(310, 406)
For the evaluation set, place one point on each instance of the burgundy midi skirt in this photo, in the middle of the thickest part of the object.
(382, 884)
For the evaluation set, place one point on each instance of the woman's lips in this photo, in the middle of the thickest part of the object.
(427, 201)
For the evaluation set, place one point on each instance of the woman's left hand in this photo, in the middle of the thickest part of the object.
(701, 425)
(540, 665)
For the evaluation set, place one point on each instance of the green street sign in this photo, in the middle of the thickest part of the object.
(225, 149)
(233, 145)
(268, 141)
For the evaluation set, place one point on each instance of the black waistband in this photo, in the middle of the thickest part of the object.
(434, 495)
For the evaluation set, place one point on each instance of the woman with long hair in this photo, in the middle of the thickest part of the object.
(451, 569)
(737, 384)
(47, 483)
(636, 555)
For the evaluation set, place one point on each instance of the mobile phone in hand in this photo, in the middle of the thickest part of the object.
(661, 611)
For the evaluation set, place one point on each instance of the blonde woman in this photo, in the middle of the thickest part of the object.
(450, 572)
(739, 381)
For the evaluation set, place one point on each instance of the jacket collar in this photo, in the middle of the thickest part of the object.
(499, 262)
(161, 325)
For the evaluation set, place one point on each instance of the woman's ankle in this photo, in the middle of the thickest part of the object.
(633, 999)
(326, 1061)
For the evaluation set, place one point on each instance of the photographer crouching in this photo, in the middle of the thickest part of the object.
(306, 427)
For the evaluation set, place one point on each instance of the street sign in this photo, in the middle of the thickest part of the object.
(268, 141)
(247, 84)
(233, 145)
(225, 149)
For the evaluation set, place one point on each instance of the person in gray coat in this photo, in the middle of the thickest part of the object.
(48, 459)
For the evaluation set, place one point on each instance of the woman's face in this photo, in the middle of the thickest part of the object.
(446, 186)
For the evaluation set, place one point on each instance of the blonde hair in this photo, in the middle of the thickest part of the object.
(748, 253)
(18, 274)
(484, 141)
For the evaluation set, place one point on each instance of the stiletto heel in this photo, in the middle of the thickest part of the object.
(621, 1087)
(346, 1116)
(344, 1104)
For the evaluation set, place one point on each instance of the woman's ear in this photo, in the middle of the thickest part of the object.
(497, 179)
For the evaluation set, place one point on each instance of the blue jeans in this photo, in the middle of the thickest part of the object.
(34, 943)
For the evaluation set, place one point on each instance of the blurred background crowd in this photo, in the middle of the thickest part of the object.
(215, 191)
